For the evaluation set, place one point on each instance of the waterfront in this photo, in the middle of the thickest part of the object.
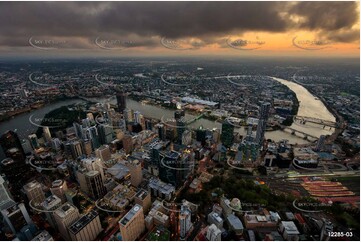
(309, 106)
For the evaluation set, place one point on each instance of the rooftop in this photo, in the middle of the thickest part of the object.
(135, 210)
(82, 222)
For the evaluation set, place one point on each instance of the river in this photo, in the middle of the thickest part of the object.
(309, 106)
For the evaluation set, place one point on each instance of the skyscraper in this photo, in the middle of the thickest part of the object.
(185, 221)
(132, 224)
(227, 134)
(51, 204)
(64, 216)
(59, 188)
(95, 184)
(87, 227)
(262, 123)
(5, 198)
(34, 192)
(16, 217)
(121, 100)
(135, 168)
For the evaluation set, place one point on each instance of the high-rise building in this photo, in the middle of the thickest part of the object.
(106, 134)
(64, 216)
(185, 221)
(16, 217)
(95, 184)
(262, 122)
(132, 225)
(128, 115)
(92, 135)
(59, 188)
(34, 141)
(56, 144)
(161, 132)
(103, 153)
(87, 147)
(213, 233)
(5, 198)
(143, 198)
(43, 236)
(128, 144)
(50, 205)
(87, 227)
(136, 176)
(25, 143)
(34, 192)
(121, 100)
(94, 164)
(47, 134)
(187, 137)
(76, 149)
(227, 134)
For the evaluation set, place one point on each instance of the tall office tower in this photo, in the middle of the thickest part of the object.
(78, 130)
(227, 134)
(25, 143)
(87, 227)
(16, 217)
(80, 176)
(320, 143)
(161, 131)
(136, 176)
(137, 117)
(181, 128)
(213, 233)
(185, 221)
(132, 225)
(47, 134)
(94, 164)
(76, 149)
(262, 122)
(95, 184)
(34, 192)
(56, 144)
(10, 140)
(143, 198)
(87, 147)
(92, 135)
(103, 153)
(64, 216)
(59, 188)
(148, 124)
(128, 144)
(106, 134)
(50, 205)
(5, 198)
(121, 100)
(34, 141)
(187, 137)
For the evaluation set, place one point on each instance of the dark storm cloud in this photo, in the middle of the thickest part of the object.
(143, 20)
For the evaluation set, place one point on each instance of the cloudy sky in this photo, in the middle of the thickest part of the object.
(161, 28)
